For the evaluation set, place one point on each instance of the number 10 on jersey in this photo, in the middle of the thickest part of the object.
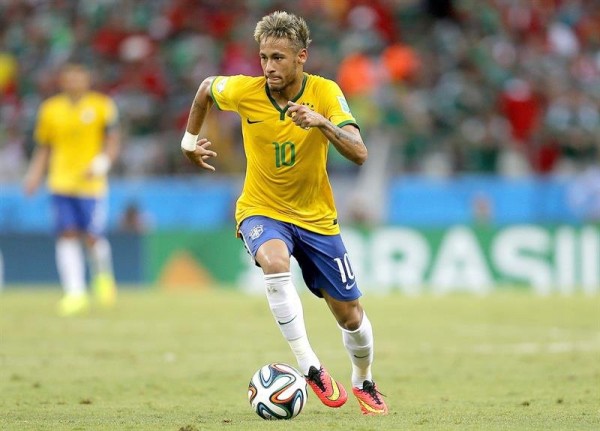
(285, 154)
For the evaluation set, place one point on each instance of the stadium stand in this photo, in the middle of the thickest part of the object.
(507, 87)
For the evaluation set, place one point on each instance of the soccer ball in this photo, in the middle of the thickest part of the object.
(277, 391)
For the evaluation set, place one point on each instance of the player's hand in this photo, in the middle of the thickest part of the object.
(303, 116)
(99, 167)
(30, 186)
(89, 174)
(200, 154)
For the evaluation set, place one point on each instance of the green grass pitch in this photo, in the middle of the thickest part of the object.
(160, 361)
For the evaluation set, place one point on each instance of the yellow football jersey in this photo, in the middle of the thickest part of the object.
(286, 177)
(75, 132)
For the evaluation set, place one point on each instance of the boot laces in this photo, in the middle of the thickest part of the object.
(314, 376)
(369, 388)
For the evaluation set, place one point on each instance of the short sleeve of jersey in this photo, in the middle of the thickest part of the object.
(42, 127)
(226, 91)
(337, 109)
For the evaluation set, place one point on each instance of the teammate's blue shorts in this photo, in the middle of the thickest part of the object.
(82, 214)
(323, 259)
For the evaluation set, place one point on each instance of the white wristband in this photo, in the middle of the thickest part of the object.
(100, 165)
(188, 142)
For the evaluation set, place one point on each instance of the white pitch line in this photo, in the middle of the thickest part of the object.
(525, 348)
(531, 348)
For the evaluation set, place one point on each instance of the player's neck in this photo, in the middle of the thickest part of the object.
(282, 97)
(288, 93)
(75, 97)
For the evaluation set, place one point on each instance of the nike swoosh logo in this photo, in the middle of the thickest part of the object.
(336, 391)
(350, 286)
(370, 408)
(361, 357)
(249, 121)
(289, 321)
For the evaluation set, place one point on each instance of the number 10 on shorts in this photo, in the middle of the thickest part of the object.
(345, 270)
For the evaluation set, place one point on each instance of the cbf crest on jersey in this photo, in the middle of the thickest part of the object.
(256, 231)
(343, 104)
(221, 85)
(88, 115)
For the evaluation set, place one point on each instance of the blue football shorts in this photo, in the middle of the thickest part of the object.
(323, 259)
(83, 214)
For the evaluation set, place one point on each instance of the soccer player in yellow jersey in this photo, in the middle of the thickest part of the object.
(286, 207)
(77, 141)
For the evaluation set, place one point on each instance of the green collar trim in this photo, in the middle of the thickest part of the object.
(284, 110)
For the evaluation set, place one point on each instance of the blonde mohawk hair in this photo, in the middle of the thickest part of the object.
(283, 25)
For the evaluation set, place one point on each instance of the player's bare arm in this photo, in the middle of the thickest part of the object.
(200, 107)
(346, 140)
(37, 169)
(112, 146)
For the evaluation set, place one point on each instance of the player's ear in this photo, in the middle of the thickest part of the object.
(302, 56)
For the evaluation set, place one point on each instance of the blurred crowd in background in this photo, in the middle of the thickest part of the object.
(439, 87)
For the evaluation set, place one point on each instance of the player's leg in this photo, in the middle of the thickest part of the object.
(319, 379)
(273, 256)
(357, 336)
(70, 259)
(328, 273)
(103, 280)
(93, 221)
(270, 243)
(284, 302)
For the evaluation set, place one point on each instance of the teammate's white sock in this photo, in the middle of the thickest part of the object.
(101, 257)
(70, 263)
(287, 310)
(359, 344)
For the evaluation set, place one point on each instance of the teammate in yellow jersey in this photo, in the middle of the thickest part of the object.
(286, 207)
(77, 141)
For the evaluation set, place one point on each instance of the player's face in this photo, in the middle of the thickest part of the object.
(75, 80)
(282, 63)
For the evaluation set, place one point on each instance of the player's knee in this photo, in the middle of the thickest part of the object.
(351, 323)
(69, 234)
(90, 240)
(351, 319)
(275, 264)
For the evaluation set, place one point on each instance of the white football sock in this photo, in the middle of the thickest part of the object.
(70, 263)
(101, 257)
(287, 310)
(359, 344)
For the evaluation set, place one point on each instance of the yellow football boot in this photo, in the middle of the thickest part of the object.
(73, 305)
(105, 289)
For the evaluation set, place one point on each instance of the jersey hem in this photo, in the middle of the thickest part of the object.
(78, 193)
(280, 217)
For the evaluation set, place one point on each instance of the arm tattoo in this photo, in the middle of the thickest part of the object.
(342, 134)
(196, 106)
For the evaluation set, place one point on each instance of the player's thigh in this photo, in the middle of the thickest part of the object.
(92, 216)
(64, 214)
(326, 266)
(268, 241)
